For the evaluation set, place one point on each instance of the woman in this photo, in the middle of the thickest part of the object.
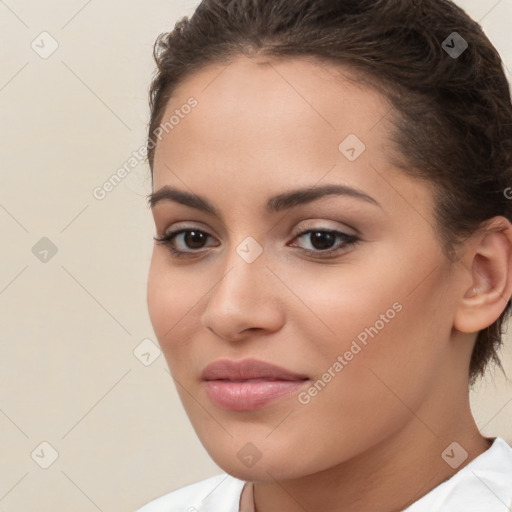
(333, 260)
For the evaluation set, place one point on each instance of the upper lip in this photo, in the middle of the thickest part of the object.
(245, 369)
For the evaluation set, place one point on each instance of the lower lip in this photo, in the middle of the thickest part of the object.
(249, 395)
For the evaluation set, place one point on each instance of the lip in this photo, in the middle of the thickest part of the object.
(248, 384)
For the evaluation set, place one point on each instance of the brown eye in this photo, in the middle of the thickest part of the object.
(322, 241)
(192, 241)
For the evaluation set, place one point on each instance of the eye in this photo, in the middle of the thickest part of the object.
(322, 241)
(193, 238)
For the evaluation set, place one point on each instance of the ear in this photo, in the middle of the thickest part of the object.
(489, 260)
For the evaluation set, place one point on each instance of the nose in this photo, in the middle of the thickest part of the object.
(246, 298)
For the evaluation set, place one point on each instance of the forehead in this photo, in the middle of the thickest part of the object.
(266, 123)
(280, 105)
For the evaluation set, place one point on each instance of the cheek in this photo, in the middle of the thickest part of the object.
(387, 336)
(345, 303)
(172, 298)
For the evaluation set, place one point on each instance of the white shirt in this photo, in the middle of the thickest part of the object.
(483, 485)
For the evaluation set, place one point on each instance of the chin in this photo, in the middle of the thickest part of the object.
(250, 464)
(268, 471)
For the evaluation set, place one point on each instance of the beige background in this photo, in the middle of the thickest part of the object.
(70, 324)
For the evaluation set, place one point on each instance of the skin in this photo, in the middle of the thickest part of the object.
(372, 439)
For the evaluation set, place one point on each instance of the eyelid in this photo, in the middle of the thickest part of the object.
(176, 226)
(324, 226)
(296, 232)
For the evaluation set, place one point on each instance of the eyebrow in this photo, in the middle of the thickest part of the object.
(277, 203)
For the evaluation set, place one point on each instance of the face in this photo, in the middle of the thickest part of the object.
(296, 326)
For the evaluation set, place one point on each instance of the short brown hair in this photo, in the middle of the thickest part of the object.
(452, 113)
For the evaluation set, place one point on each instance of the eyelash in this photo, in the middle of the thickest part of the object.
(349, 241)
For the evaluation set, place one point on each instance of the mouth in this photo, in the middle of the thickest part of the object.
(248, 384)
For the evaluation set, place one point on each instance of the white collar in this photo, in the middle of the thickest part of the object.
(485, 484)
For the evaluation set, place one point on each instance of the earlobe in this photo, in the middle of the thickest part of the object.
(490, 266)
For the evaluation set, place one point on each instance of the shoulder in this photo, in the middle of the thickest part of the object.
(218, 493)
(483, 484)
